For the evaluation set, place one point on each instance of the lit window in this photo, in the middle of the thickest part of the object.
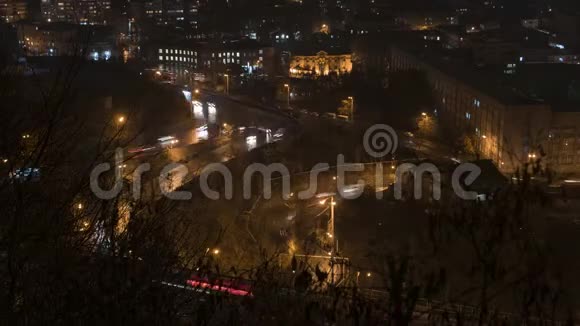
(468, 115)
(160, 50)
(476, 102)
(160, 58)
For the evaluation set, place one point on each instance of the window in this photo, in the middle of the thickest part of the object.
(160, 50)
(468, 115)
(160, 58)
(477, 103)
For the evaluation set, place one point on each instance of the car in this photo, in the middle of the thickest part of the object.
(303, 111)
(314, 114)
(167, 141)
(329, 115)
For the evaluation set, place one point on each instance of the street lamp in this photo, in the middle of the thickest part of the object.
(227, 83)
(288, 92)
(351, 107)
(331, 226)
(424, 114)
(121, 119)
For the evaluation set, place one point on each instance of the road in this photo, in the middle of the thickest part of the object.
(216, 129)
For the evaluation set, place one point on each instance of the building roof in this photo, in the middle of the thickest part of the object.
(458, 64)
(557, 84)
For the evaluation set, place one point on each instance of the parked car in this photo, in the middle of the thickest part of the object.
(329, 115)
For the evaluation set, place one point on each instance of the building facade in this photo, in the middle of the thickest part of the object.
(60, 39)
(13, 10)
(320, 64)
(219, 58)
(510, 131)
(83, 12)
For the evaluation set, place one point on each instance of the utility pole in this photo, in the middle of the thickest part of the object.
(351, 108)
(287, 86)
(227, 84)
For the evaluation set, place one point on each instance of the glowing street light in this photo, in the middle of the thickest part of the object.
(332, 204)
(351, 107)
(216, 251)
(287, 86)
(121, 119)
(227, 83)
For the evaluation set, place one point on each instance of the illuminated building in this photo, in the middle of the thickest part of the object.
(507, 125)
(60, 39)
(13, 10)
(250, 57)
(320, 64)
(83, 12)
